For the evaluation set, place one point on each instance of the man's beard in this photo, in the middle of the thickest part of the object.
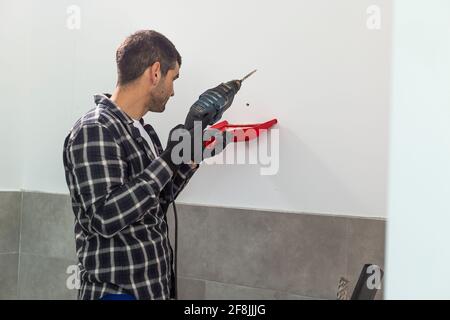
(157, 104)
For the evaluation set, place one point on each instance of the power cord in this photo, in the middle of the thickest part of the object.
(175, 254)
(175, 215)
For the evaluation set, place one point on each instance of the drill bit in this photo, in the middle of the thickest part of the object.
(248, 75)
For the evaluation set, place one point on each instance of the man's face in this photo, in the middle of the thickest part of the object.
(164, 90)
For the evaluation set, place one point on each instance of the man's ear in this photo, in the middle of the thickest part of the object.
(155, 73)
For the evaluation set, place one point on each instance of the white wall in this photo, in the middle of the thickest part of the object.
(418, 238)
(321, 72)
(14, 61)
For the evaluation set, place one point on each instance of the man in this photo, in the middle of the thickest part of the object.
(121, 180)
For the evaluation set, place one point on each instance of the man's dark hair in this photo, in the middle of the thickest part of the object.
(142, 49)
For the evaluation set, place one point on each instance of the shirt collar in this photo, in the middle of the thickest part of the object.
(141, 121)
(105, 100)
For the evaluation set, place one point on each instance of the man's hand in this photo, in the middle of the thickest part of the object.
(166, 155)
(188, 146)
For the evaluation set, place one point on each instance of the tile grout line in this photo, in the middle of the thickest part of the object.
(249, 287)
(244, 286)
(313, 213)
(284, 211)
(45, 256)
(20, 242)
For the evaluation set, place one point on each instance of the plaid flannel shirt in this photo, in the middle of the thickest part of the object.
(120, 193)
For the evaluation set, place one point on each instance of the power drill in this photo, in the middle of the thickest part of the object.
(211, 105)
